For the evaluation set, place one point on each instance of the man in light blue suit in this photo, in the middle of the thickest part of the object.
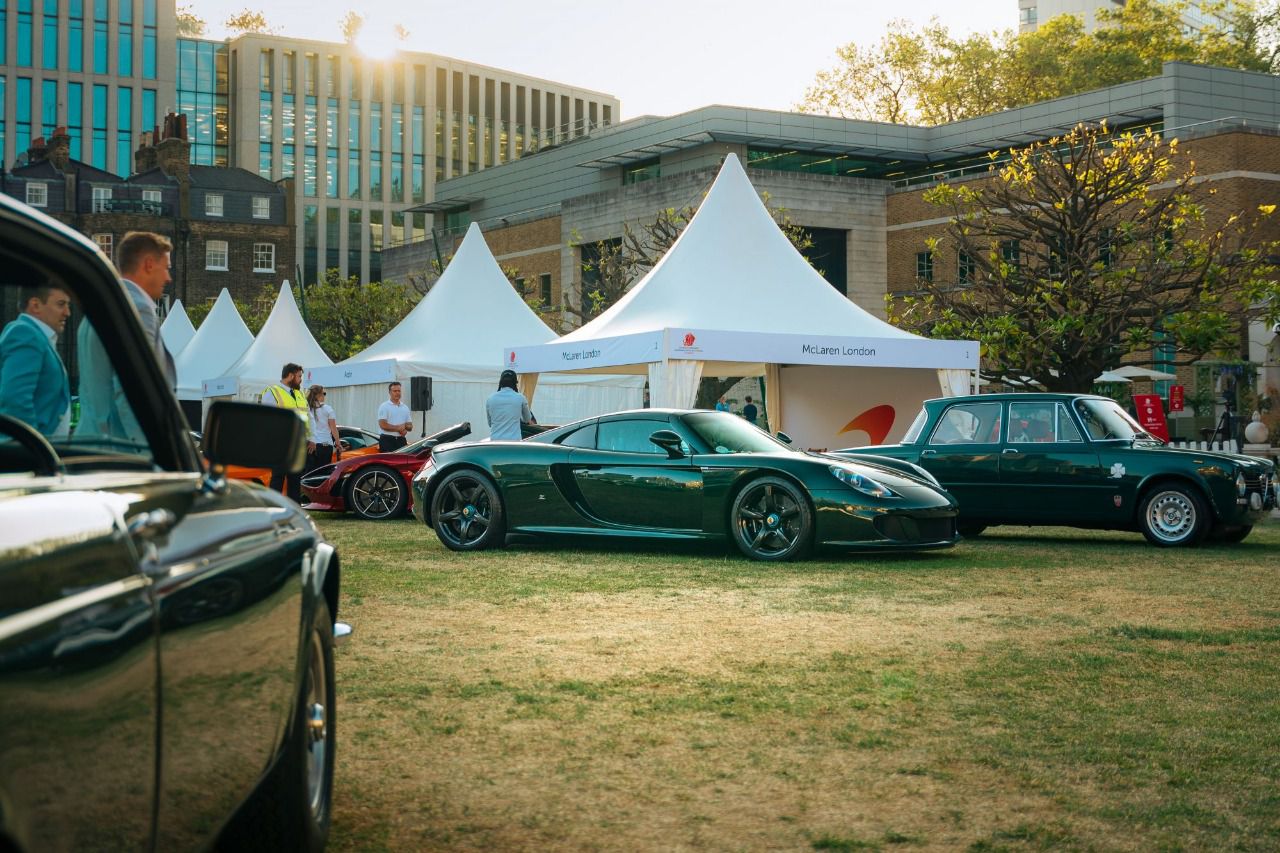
(33, 380)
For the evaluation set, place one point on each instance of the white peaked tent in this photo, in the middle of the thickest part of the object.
(176, 330)
(456, 335)
(221, 339)
(732, 297)
(283, 338)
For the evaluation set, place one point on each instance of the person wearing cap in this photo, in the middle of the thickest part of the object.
(507, 409)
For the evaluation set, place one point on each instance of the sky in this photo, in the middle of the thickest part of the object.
(659, 57)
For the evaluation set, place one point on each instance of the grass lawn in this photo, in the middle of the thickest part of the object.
(1056, 690)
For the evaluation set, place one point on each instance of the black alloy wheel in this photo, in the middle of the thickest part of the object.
(467, 512)
(771, 520)
(377, 492)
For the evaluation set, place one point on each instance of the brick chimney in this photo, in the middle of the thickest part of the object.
(59, 150)
(37, 151)
(144, 159)
(170, 150)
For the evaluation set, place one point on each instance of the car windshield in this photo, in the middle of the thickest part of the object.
(726, 433)
(1105, 419)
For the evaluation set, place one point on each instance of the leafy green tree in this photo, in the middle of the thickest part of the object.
(350, 25)
(1081, 247)
(250, 21)
(190, 25)
(928, 76)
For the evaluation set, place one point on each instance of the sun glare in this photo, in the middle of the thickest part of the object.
(377, 41)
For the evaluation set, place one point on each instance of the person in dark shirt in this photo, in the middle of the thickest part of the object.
(750, 412)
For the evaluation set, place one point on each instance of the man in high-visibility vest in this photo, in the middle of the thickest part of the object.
(287, 394)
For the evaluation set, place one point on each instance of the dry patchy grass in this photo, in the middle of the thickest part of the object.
(1060, 689)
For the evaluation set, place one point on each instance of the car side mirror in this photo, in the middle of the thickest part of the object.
(670, 441)
(255, 436)
(784, 438)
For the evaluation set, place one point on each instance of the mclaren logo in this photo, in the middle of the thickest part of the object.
(875, 422)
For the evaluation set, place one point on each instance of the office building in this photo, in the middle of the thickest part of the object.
(1033, 13)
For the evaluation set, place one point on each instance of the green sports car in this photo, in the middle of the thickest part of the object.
(675, 474)
(1082, 461)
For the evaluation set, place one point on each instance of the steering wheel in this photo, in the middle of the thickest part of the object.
(47, 463)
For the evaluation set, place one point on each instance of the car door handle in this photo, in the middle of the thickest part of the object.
(149, 525)
(928, 453)
(1011, 451)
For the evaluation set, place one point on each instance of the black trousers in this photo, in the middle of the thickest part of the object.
(391, 442)
(321, 455)
(292, 484)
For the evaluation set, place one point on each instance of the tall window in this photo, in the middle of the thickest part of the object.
(4, 28)
(967, 269)
(75, 118)
(149, 39)
(124, 127)
(544, 289)
(264, 257)
(1011, 253)
(310, 242)
(23, 139)
(353, 241)
(48, 106)
(49, 36)
(124, 51)
(418, 177)
(215, 255)
(75, 36)
(101, 199)
(99, 36)
(25, 34)
(353, 150)
(375, 245)
(924, 266)
(265, 70)
(99, 153)
(2, 101)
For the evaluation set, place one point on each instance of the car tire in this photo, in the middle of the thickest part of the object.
(970, 530)
(291, 809)
(377, 492)
(771, 521)
(1173, 515)
(467, 512)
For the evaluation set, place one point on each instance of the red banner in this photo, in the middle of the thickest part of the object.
(1151, 414)
(1177, 398)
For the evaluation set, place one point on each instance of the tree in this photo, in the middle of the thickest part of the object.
(931, 77)
(249, 21)
(1081, 248)
(350, 26)
(190, 25)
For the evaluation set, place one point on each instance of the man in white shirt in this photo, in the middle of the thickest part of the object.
(507, 409)
(394, 420)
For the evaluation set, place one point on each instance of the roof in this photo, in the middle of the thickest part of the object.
(151, 176)
(82, 170)
(283, 338)
(231, 178)
(176, 330)
(221, 339)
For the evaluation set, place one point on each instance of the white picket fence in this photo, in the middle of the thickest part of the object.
(1224, 446)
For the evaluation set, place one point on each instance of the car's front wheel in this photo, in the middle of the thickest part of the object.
(377, 492)
(466, 512)
(771, 520)
(1174, 515)
(290, 811)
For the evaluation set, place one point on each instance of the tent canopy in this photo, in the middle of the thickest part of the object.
(284, 338)
(735, 295)
(1132, 371)
(176, 330)
(221, 339)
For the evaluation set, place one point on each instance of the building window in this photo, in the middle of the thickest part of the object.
(105, 243)
(967, 270)
(264, 257)
(1011, 253)
(215, 254)
(544, 287)
(213, 204)
(924, 266)
(261, 207)
(1027, 16)
(38, 195)
(151, 195)
(101, 197)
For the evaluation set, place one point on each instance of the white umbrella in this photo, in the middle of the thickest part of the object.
(1112, 376)
(1135, 372)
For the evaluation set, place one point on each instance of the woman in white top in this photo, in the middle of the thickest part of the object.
(322, 443)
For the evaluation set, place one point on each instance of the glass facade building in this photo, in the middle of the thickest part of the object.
(203, 86)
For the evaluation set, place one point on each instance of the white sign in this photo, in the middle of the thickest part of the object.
(556, 356)
(361, 373)
(225, 386)
(712, 345)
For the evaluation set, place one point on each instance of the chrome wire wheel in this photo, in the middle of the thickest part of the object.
(316, 719)
(1174, 516)
(467, 513)
(377, 493)
(771, 521)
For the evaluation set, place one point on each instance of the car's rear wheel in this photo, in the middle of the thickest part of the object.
(377, 492)
(291, 809)
(466, 512)
(771, 520)
(1173, 515)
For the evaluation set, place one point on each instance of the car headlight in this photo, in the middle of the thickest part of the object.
(861, 482)
(1241, 486)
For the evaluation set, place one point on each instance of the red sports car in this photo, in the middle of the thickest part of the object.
(376, 485)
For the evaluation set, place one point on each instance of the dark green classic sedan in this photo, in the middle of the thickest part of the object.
(1081, 461)
(667, 474)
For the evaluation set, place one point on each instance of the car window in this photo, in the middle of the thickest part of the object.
(726, 433)
(917, 427)
(968, 423)
(629, 436)
(1031, 422)
(1067, 429)
(581, 437)
(57, 378)
(1105, 419)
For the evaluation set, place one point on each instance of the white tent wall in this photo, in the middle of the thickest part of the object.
(833, 407)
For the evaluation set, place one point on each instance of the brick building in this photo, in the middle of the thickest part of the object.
(229, 227)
